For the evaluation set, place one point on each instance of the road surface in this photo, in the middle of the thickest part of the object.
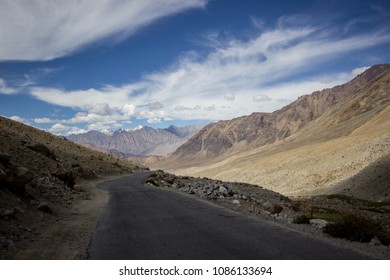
(145, 222)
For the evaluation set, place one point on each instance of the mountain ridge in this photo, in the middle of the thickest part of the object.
(140, 142)
(351, 121)
(259, 129)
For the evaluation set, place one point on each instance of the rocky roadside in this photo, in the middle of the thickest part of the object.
(62, 233)
(265, 204)
(47, 197)
(48, 214)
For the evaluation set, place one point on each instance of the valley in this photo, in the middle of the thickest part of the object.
(310, 147)
(319, 162)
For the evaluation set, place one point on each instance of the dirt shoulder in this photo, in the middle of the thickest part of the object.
(64, 234)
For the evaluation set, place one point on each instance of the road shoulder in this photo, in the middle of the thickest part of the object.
(65, 235)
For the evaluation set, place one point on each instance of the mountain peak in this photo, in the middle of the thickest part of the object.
(119, 131)
(107, 132)
(138, 127)
(138, 141)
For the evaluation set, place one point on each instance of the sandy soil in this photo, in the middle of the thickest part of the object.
(66, 234)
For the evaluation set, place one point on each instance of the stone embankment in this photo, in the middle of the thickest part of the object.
(238, 196)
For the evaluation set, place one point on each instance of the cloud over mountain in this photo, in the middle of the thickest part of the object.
(264, 69)
(217, 74)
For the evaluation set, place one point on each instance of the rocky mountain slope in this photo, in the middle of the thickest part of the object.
(306, 147)
(259, 129)
(40, 177)
(141, 142)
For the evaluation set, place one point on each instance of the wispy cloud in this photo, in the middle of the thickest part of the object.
(18, 119)
(5, 89)
(236, 77)
(44, 30)
(29, 79)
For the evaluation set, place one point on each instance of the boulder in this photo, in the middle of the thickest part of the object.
(85, 173)
(42, 149)
(273, 208)
(223, 191)
(318, 223)
(8, 213)
(268, 206)
(34, 202)
(44, 207)
(375, 241)
(66, 177)
(5, 158)
(18, 178)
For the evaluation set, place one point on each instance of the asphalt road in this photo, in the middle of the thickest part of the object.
(143, 222)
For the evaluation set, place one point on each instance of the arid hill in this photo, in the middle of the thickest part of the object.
(305, 148)
(40, 177)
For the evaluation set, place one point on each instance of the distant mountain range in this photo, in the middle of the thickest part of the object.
(142, 141)
(308, 146)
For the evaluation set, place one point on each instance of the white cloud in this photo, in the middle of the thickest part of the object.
(44, 30)
(76, 130)
(257, 23)
(4, 89)
(43, 120)
(61, 129)
(254, 70)
(102, 110)
(155, 106)
(154, 120)
(98, 126)
(58, 128)
(30, 79)
(210, 108)
(20, 119)
(101, 117)
(358, 71)
(261, 98)
(230, 96)
(128, 109)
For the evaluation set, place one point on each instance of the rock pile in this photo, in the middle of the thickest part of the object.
(241, 196)
(12, 176)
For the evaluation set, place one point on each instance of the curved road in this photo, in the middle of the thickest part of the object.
(143, 222)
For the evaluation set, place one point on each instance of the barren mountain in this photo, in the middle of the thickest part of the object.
(259, 129)
(140, 142)
(306, 147)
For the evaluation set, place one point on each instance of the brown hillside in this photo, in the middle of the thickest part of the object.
(334, 134)
(42, 189)
(235, 136)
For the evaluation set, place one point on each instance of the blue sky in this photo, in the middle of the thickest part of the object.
(73, 66)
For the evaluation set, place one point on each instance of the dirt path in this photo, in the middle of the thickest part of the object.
(66, 234)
